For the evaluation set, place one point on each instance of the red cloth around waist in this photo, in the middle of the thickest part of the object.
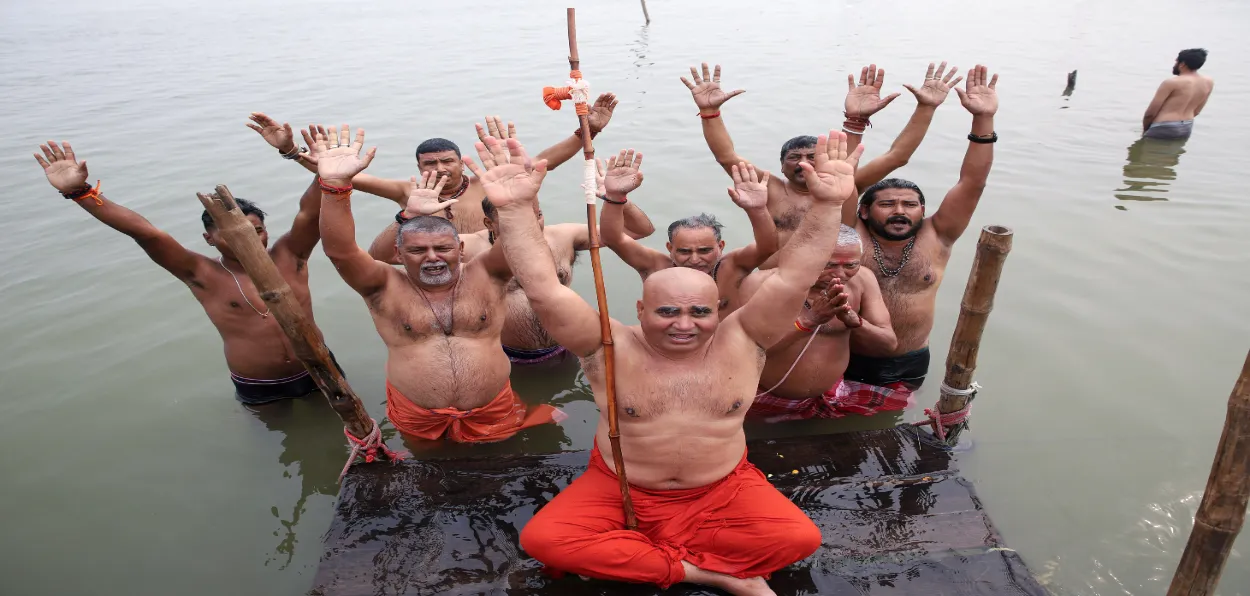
(846, 397)
(498, 420)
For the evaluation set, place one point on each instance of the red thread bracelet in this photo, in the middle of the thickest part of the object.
(800, 327)
(334, 190)
(709, 116)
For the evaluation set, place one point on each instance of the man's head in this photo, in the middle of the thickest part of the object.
(429, 249)
(254, 215)
(695, 242)
(492, 218)
(677, 312)
(893, 208)
(845, 260)
(443, 158)
(1189, 60)
(795, 151)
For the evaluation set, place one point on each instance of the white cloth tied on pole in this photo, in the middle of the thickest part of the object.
(579, 91)
(590, 182)
(953, 392)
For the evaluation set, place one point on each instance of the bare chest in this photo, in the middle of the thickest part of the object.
(712, 388)
(407, 315)
(905, 270)
(232, 299)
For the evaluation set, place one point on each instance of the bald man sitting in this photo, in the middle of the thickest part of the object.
(685, 379)
(803, 373)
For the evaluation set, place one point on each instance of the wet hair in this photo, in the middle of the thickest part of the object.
(489, 209)
(799, 142)
(1193, 58)
(870, 194)
(246, 206)
(694, 222)
(425, 224)
(847, 236)
(436, 145)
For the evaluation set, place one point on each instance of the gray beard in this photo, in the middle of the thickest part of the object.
(434, 280)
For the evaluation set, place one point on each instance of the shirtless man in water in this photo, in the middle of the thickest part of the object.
(910, 251)
(685, 380)
(440, 317)
(262, 362)
(788, 197)
(1179, 99)
(693, 242)
(802, 375)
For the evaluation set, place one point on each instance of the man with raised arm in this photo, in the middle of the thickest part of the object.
(442, 158)
(440, 317)
(262, 362)
(693, 242)
(802, 375)
(910, 251)
(684, 381)
(788, 196)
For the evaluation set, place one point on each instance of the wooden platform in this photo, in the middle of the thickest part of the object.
(896, 519)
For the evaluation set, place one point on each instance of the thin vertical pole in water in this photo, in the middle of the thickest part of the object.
(1223, 507)
(645, 14)
(974, 312)
(605, 324)
(239, 235)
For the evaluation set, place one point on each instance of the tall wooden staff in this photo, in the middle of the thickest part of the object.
(579, 91)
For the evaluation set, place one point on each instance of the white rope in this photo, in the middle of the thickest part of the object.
(590, 181)
(579, 90)
(953, 392)
(796, 360)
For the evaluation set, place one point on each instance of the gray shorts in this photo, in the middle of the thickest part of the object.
(1176, 129)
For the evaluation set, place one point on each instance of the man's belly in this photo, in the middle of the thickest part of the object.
(448, 372)
(816, 372)
(911, 315)
(662, 456)
(260, 353)
(521, 329)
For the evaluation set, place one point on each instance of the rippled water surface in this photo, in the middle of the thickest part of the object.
(128, 468)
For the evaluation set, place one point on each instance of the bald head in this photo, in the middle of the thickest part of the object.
(678, 286)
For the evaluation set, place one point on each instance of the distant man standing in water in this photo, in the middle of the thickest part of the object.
(440, 317)
(1179, 99)
(262, 362)
(684, 381)
(910, 251)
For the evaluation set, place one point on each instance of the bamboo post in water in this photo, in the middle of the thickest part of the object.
(1223, 507)
(240, 236)
(974, 312)
(645, 14)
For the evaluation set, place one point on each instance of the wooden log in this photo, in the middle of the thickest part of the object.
(240, 236)
(1223, 508)
(974, 312)
(645, 14)
(601, 297)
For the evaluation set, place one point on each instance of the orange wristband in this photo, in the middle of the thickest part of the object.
(800, 327)
(90, 193)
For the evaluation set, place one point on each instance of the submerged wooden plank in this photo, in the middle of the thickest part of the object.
(896, 519)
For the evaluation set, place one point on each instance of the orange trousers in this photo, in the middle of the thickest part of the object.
(740, 526)
(501, 418)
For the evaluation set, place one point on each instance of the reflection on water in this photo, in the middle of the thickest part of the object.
(1150, 169)
(312, 449)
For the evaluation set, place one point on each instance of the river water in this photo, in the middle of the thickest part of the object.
(129, 468)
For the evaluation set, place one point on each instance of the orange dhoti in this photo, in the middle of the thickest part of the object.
(501, 418)
(739, 525)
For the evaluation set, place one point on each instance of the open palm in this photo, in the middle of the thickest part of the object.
(65, 173)
(279, 136)
(601, 112)
(506, 173)
(338, 159)
(937, 85)
(865, 99)
(423, 195)
(624, 174)
(980, 98)
(750, 189)
(833, 177)
(706, 89)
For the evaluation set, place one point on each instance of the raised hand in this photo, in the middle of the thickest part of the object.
(279, 136)
(495, 128)
(506, 173)
(832, 302)
(624, 174)
(423, 195)
(980, 99)
(338, 159)
(865, 100)
(65, 173)
(937, 85)
(706, 89)
(601, 175)
(310, 139)
(750, 189)
(601, 112)
(833, 177)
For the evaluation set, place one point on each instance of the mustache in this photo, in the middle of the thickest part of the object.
(435, 264)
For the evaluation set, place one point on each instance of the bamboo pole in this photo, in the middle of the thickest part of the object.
(645, 14)
(240, 236)
(974, 312)
(1223, 507)
(605, 324)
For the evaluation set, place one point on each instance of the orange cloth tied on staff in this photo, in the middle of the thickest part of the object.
(503, 417)
(577, 90)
